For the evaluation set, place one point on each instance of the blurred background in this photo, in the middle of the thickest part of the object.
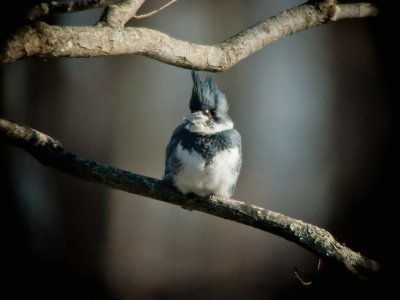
(316, 114)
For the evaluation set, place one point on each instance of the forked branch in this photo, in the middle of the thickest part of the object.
(112, 38)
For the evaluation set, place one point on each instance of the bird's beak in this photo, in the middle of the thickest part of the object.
(196, 117)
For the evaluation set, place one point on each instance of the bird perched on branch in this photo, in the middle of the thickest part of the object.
(204, 154)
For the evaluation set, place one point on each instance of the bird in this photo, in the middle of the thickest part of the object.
(204, 154)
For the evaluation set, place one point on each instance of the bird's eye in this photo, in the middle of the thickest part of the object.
(213, 112)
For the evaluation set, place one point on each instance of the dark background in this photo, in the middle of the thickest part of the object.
(317, 116)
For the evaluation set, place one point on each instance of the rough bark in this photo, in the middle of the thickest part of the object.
(50, 152)
(111, 38)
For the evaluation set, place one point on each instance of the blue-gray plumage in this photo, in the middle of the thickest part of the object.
(204, 154)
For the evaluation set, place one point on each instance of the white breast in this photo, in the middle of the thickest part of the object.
(215, 178)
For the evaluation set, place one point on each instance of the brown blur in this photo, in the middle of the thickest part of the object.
(315, 111)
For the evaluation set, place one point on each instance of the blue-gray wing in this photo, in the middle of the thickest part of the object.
(172, 163)
(235, 141)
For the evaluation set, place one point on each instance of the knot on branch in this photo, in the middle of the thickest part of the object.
(329, 9)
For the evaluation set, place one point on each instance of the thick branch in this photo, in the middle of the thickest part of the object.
(317, 240)
(42, 40)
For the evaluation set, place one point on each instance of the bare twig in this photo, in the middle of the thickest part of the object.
(42, 40)
(299, 278)
(54, 7)
(142, 16)
(317, 240)
(297, 273)
(117, 15)
(319, 264)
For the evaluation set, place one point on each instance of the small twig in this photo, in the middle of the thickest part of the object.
(54, 7)
(302, 281)
(298, 271)
(142, 16)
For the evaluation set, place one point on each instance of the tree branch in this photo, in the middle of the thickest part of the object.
(42, 40)
(53, 7)
(50, 152)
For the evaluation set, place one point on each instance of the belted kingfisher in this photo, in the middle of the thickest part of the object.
(204, 155)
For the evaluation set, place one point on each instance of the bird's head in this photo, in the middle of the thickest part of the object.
(209, 108)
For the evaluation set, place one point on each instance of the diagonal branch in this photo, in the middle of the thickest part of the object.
(317, 240)
(42, 40)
